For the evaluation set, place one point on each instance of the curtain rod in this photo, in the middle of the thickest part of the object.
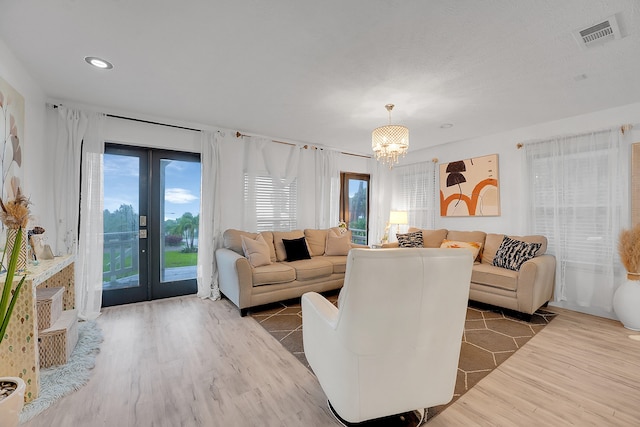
(145, 121)
(312, 147)
(623, 128)
(153, 123)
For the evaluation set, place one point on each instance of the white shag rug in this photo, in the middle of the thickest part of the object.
(58, 381)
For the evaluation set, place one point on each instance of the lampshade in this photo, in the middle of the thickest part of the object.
(398, 217)
(390, 142)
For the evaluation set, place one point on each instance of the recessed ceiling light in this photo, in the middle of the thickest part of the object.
(446, 125)
(103, 64)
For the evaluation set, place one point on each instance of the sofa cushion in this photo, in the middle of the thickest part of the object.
(311, 268)
(474, 247)
(339, 263)
(410, 240)
(277, 272)
(268, 237)
(496, 277)
(513, 253)
(232, 240)
(316, 239)
(281, 253)
(296, 249)
(493, 242)
(256, 250)
(337, 245)
(466, 236)
(431, 238)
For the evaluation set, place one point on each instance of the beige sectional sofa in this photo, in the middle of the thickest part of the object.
(524, 290)
(249, 286)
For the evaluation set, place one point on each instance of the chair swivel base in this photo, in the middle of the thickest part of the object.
(406, 419)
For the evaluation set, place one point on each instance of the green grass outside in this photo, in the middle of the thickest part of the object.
(179, 259)
(171, 259)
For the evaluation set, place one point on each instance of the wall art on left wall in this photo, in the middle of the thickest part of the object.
(11, 139)
(470, 187)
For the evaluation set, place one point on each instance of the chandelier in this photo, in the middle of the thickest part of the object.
(390, 142)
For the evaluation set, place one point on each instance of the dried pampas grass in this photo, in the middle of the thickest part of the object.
(15, 213)
(629, 249)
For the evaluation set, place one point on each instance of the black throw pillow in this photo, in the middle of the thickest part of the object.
(296, 249)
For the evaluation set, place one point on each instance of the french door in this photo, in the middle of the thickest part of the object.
(151, 213)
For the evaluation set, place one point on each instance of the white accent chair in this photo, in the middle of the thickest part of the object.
(394, 343)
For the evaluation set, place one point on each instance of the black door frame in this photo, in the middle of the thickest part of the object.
(150, 199)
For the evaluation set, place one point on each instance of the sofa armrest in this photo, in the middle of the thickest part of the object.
(536, 280)
(235, 277)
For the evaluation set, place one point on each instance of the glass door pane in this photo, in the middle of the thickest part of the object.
(173, 223)
(180, 208)
(124, 271)
(354, 204)
(121, 267)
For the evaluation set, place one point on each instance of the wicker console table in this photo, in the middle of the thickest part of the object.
(19, 356)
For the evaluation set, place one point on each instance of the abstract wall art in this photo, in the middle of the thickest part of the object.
(470, 187)
(11, 139)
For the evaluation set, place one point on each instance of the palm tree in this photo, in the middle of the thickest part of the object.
(187, 226)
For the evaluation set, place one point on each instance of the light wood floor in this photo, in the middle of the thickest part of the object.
(191, 362)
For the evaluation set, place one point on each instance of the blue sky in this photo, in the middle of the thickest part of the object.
(182, 185)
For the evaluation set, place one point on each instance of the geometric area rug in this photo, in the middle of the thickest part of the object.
(58, 381)
(491, 336)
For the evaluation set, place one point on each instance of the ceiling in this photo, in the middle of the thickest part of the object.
(320, 72)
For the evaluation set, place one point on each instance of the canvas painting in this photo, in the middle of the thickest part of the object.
(12, 135)
(470, 187)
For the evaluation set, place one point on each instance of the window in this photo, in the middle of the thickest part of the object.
(576, 188)
(354, 204)
(576, 204)
(414, 191)
(275, 203)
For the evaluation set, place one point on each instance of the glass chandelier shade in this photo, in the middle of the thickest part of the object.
(390, 142)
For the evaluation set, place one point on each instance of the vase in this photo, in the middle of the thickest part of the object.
(11, 406)
(626, 302)
(21, 265)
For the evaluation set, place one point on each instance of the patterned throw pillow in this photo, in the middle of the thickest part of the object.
(474, 247)
(513, 253)
(410, 240)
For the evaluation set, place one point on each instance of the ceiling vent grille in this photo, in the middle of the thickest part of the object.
(599, 33)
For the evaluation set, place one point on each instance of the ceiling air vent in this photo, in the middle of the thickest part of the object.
(598, 33)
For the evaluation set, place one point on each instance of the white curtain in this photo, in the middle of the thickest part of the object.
(264, 157)
(253, 165)
(80, 145)
(72, 125)
(381, 203)
(327, 189)
(578, 199)
(414, 191)
(209, 232)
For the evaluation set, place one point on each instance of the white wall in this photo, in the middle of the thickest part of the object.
(512, 219)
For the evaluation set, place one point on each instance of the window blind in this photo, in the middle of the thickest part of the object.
(275, 204)
(414, 191)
